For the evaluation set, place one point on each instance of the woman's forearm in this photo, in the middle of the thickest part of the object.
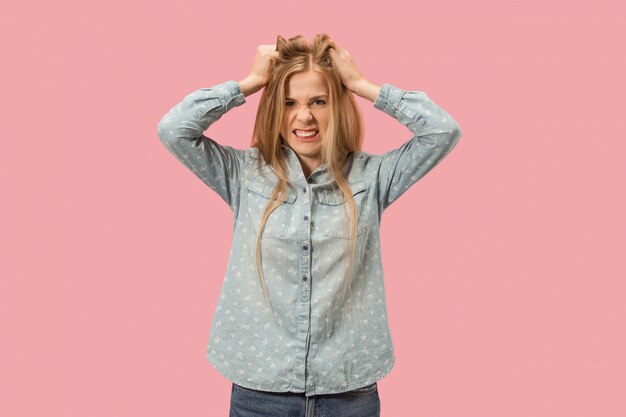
(366, 89)
(249, 85)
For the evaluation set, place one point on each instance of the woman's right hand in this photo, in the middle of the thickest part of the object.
(259, 74)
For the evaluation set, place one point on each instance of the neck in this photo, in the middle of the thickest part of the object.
(309, 165)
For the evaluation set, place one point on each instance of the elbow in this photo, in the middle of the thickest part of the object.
(455, 133)
(164, 131)
(452, 136)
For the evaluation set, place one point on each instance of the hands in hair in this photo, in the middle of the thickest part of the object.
(259, 74)
(351, 77)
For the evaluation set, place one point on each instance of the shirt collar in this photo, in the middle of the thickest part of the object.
(319, 176)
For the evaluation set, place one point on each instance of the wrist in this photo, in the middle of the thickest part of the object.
(366, 89)
(250, 85)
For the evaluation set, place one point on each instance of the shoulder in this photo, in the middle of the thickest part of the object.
(255, 165)
(364, 166)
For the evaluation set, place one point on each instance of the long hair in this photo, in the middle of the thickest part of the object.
(343, 136)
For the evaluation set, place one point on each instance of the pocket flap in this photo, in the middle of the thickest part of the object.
(266, 189)
(334, 196)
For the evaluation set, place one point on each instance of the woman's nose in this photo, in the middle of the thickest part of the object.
(305, 114)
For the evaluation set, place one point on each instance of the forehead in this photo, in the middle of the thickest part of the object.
(304, 85)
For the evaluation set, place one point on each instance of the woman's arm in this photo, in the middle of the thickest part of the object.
(366, 89)
(435, 133)
(181, 131)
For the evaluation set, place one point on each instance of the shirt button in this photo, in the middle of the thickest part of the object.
(304, 278)
(305, 247)
(306, 217)
(304, 190)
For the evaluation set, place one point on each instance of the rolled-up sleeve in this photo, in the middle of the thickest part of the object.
(434, 131)
(181, 131)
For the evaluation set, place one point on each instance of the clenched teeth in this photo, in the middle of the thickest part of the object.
(305, 133)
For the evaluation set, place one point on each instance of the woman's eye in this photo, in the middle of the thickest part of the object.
(318, 102)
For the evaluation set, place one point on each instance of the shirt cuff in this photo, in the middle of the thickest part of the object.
(388, 99)
(229, 93)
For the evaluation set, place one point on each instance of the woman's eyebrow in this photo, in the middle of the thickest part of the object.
(312, 98)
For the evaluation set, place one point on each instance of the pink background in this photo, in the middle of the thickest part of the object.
(504, 265)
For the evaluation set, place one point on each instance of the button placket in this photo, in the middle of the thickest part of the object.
(306, 217)
(304, 249)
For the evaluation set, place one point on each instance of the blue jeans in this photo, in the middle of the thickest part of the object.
(361, 402)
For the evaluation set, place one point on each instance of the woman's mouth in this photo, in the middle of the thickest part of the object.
(306, 135)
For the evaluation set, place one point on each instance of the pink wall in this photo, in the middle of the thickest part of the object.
(503, 266)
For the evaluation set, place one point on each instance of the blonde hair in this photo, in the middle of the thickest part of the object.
(343, 135)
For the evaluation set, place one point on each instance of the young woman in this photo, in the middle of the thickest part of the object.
(301, 327)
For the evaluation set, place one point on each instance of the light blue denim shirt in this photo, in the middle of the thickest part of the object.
(309, 342)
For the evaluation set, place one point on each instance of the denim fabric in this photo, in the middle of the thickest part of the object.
(362, 402)
(310, 341)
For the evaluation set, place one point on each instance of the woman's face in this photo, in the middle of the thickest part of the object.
(306, 111)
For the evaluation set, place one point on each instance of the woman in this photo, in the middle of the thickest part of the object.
(301, 326)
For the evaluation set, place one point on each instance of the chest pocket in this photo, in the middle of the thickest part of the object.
(334, 211)
(259, 194)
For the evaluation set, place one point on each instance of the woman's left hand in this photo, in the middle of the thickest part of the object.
(350, 74)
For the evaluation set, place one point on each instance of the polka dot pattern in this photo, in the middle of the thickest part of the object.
(312, 339)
